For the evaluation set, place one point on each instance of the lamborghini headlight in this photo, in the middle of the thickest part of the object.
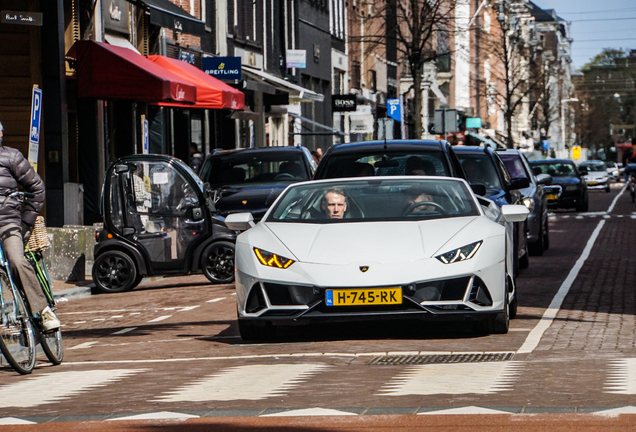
(460, 254)
(270, 259)
(529, 203)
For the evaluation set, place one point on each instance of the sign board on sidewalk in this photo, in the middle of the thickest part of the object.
(34, 133)
(576, 152)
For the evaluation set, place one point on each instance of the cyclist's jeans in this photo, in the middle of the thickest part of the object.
(22, 272)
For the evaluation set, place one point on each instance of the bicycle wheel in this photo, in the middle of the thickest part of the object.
(52, 346)
(17, 341)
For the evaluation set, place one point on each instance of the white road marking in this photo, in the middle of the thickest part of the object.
(434, 379)
(617, 411)
(533, 339)
(611, 207)
(79, 322)
(253, 382)
(83, 345)
(126, 330)
(161, 318)
(116, 316)
(216, 300)
(157, 416)
(54, 387)
(14, 421)
(189, 308)
(464, 411)
(310, 412)
(98, 312)
(621, 377)
(99, 319)
(135, 313)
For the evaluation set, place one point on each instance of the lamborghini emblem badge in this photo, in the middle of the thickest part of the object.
(364, 269)
(244, 202)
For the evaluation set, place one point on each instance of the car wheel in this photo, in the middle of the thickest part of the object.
(513, 303)
(251, 331)
(607, 188)
(217, 262)
(500, 324)
(583, 206)
(546, 236)
(114, 271)
(524, 261)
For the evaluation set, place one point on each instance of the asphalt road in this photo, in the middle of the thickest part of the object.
(170, 352)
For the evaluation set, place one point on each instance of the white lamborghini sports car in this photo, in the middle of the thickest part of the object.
(376, 248)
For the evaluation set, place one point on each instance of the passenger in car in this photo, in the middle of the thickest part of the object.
(360, 169)
(418, 166)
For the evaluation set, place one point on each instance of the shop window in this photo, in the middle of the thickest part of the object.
(355, 74)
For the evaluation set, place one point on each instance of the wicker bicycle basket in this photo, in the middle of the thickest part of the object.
(39, 240)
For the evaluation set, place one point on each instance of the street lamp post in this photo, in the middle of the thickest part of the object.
(563, 102)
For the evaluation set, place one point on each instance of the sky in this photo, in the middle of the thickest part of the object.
(596, 24)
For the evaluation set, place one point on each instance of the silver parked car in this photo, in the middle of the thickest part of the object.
(595, 175)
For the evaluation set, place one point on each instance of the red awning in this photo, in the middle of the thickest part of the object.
(110, 72)
(211, 92)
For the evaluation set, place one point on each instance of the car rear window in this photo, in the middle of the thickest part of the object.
(514, 166)
(386, 164)
(555, 169)
(243, 168)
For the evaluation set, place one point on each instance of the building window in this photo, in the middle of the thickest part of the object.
(355, 74)
(338, 82)
(244, 15)
(372, 80)
(336, 18)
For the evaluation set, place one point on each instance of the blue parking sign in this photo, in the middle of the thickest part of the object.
(34, 133)
(394, 108)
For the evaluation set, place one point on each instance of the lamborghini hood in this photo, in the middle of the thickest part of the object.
(385, 242)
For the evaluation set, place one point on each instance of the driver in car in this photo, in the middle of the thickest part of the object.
(334, 203)
(416, 202)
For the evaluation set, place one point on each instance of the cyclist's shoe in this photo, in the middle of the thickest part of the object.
(49, 320)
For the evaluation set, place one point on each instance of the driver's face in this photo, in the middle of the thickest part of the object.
(335, 205)
(420, 198)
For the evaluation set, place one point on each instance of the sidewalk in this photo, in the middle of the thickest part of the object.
(71, 290)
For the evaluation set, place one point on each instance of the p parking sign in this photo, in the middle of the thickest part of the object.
(34, 133)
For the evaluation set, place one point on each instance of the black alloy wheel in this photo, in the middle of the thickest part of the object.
(114, 271)
(537, 247)
(217, 262)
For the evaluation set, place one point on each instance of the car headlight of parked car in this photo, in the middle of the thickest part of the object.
(571, 188)
(529, 203)
(460, 254)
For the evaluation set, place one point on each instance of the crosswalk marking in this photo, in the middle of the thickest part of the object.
(216, 300)
(621, 377)
(163, 415)
(82, 345)
(161, 318)
(53, 387)
(310, 412)
(253, 382)
(467, 410)
(477, 378)
(123, 331)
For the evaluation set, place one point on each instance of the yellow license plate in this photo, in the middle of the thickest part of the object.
(552, 197)
(592, 183)
(364, 297)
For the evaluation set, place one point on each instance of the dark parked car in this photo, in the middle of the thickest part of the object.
(534, 198)
(251, 179)
(391, 158)
(484, 167)
(568, 188)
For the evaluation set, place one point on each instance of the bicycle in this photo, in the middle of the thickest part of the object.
(18, 339)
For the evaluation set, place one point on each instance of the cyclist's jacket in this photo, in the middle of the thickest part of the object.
(15, 170)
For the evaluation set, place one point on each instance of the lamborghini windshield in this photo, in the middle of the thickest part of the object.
(382, 199)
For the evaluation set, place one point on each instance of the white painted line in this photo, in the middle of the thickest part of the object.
(135, 313)
(99, 311)
(310, 412)
(54, 387)
(189, 308)
(161, 318)
(79, 322)
(435, 379)
(216, 300)
(465, 411)
(611, 207)
(99, 319)
(533, 339)
(163, 415)
(253, 382)
(614, 412)
(126, 330)
(83, 345)
(116, 316)
(14, 421)
(621, 377)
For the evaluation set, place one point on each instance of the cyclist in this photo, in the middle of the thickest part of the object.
(16, 223)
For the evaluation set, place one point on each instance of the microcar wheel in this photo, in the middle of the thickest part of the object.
(114, 271)
(217, 262)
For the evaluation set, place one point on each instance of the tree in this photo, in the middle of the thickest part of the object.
(515, 74)
(412, 27)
